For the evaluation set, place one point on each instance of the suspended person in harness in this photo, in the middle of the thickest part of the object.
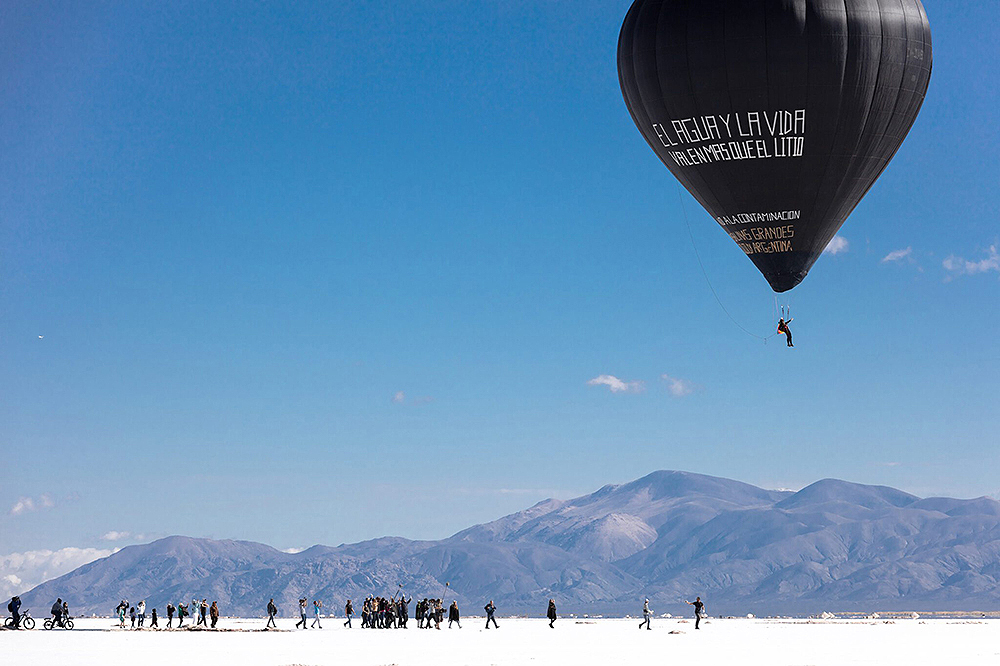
(783, 328)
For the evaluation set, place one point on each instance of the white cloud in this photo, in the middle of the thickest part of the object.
(29, 504)
(837, 245)
(292, 551)
(115, 536)
(960, 266)
(678, 387)
(22, 505)
(19, 572)
(616, 385)
(399, 397)
(898, 255)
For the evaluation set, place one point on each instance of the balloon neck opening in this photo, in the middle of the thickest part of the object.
(782, 282)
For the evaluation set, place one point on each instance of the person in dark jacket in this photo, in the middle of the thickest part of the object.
(699, 609)
(170, 615)
(56, 611)
(182, 611)
(490, 610)
(551, 614)
(131, 614)
(404, 610)
(453, 615)
(214, 613)
(348, 612)
(15, 610)
(203, 607)
(152, 620)
(783, 328)
(272, 610)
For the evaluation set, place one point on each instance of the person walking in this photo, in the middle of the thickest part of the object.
(14, 606)
(317, 608)
(170, 615)
(302, 613)
(348, 612)
(142, 612)
(490, 610)
(194, 611)
(453, 615)
(131, 614)
(551, 614)
(122, 608)
(56, 612)
(214, 613)
(272, 610)
(646, 614)
(152, 620)
(699, 610)
(203, 608)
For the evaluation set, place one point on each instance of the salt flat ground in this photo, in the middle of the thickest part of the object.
(575, 642)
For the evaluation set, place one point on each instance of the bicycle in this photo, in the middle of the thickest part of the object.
(27, 622)
(51, 623)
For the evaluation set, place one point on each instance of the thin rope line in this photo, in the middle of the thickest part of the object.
(705, 273)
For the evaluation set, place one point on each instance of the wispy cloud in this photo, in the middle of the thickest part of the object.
(678, 387)
(29, 504)
(19, 572)
(538, 492)
(898, 255)
(399, 398)
(115, 536)
(958, 266)
(837, 245)
(292, 551)
(616, 385)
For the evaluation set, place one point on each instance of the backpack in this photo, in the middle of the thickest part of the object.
(10, 606)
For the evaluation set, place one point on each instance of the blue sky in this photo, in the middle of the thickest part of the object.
(323, 272)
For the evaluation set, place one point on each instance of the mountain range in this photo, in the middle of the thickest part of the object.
(668, 536)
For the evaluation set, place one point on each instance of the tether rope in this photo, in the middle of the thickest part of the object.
(718, 300)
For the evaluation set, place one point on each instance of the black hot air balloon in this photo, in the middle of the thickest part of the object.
(777, 115)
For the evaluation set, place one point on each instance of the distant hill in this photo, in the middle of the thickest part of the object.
(668, 536)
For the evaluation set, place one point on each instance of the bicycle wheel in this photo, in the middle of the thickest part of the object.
(28, 623)
(47, 625)
(69, 624)
(8, 623)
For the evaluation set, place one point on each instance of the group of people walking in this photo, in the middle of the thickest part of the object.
(382, 613)
(376, 613)
(200, 612)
